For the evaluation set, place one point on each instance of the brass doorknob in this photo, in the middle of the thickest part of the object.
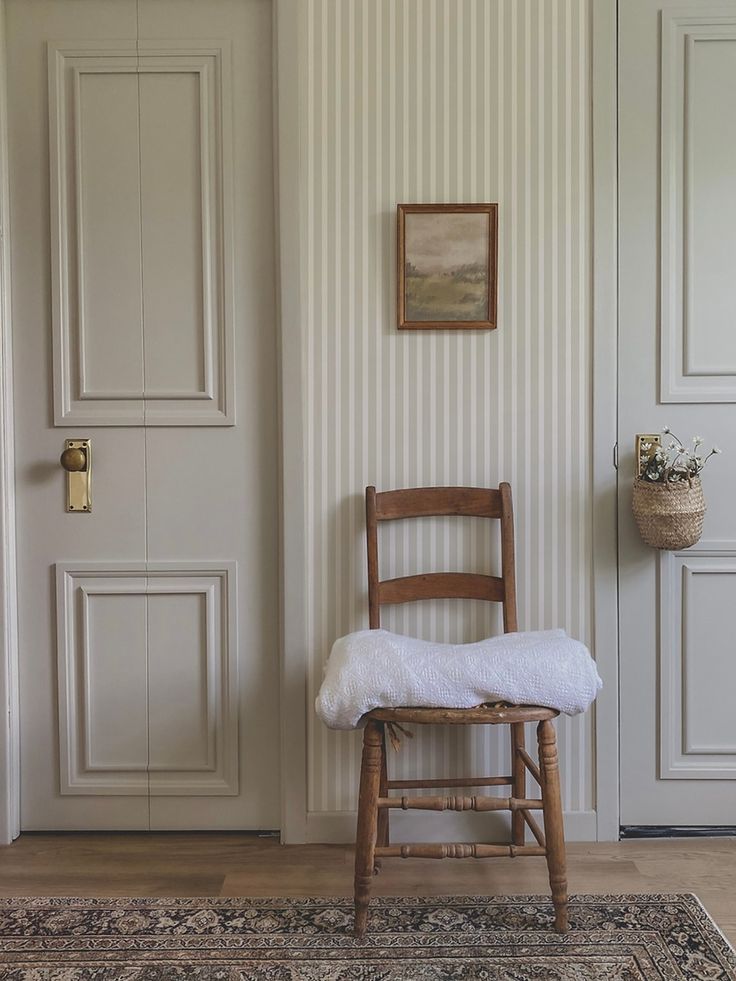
(74, 459)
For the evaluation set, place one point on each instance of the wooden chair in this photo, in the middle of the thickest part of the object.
(375, 804)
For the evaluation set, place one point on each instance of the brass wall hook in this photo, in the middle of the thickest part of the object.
(654, 440)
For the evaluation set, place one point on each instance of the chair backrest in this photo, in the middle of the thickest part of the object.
(421, 502)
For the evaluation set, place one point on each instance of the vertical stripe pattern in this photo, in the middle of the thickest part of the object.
(440, 101)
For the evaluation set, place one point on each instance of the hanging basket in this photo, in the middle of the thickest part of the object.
(669, 516)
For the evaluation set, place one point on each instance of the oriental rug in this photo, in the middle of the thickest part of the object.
(449, 938)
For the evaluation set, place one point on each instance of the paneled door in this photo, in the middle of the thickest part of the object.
(140, 137)
(677, 366)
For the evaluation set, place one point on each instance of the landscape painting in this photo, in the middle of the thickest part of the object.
(447, 266)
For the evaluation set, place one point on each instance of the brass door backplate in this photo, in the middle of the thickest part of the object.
(654, 440)
(77, 461)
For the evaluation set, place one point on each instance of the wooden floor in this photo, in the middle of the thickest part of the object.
(246, 865)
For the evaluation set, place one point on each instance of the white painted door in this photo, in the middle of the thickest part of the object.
(677, 350)
(143, 318)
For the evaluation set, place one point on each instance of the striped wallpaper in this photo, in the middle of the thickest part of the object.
(441, 101)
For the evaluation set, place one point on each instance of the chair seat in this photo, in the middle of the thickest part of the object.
(480, 715)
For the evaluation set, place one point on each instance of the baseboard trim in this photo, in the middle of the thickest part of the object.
(338, 827)
(676, 831)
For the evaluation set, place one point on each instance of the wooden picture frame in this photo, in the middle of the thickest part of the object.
(447, 265)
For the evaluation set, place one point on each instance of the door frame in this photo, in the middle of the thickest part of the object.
(288, 20)
(604, 48)
(10, 730)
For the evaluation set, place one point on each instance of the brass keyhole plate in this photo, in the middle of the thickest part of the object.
(79, 482)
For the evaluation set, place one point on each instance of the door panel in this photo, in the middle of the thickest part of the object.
(141, 201)
(148, 628)
(699, 676)
(698, 356)
(148, 679)
(677, 199)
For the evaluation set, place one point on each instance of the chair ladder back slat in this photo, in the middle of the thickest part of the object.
(436, 502)
(441, 585)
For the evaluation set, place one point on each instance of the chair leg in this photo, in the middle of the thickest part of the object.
(553, 824)
(518, 771)
(383, 814)
(365, 844)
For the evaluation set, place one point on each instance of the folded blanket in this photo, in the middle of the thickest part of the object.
(378, 669)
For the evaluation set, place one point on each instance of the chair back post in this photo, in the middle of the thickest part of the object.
(371, 526)
(508, 562)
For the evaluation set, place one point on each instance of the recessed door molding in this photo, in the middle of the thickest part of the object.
(694, 366)
(131, 100)
(99, 607)
(690, 749)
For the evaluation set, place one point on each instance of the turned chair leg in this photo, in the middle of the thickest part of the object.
(553, 825)
(383, 814)
(518, 771)
(365, 843)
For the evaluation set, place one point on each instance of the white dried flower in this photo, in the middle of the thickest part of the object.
(672, 462)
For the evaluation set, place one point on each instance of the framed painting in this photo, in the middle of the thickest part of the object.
(447, 266)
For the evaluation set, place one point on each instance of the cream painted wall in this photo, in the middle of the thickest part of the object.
(444, 100)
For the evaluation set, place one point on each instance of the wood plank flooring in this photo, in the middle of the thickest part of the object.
(207, 864)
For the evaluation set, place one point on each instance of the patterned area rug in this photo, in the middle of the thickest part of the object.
(613, 938)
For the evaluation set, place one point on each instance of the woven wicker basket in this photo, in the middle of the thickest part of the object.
(669, 516)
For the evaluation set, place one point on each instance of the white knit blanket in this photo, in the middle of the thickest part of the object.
(378, 669)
